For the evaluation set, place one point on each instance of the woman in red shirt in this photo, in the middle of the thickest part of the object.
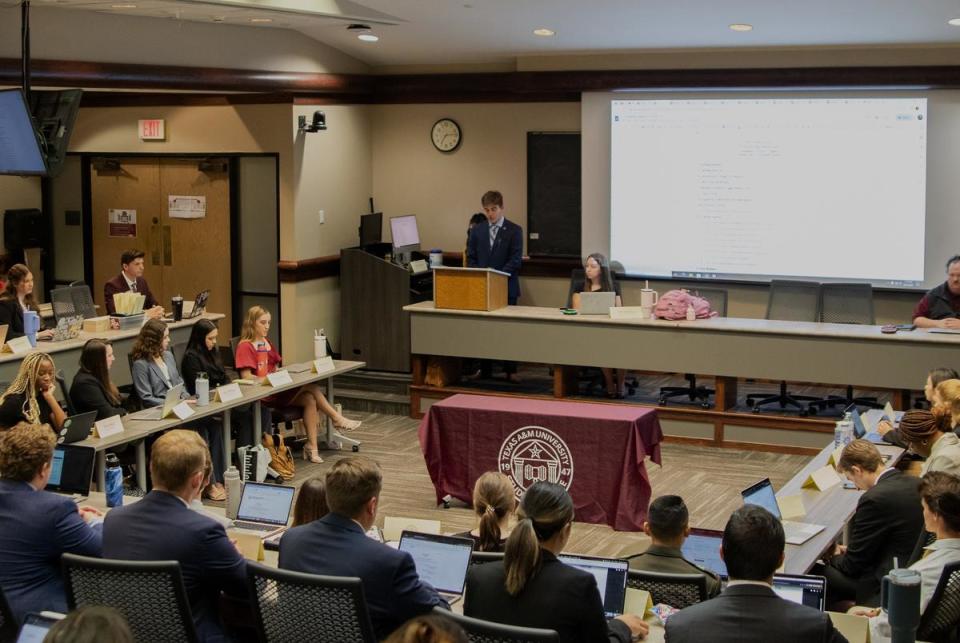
(256, 358)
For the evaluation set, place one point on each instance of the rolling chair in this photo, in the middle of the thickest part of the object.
(941, 620)
(789, 301)
(675, 590)
(718, 303)
(480, 631)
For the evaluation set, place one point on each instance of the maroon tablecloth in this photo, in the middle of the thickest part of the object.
(596, 450)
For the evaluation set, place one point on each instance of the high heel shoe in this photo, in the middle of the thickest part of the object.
(348, 425)
(312, 455)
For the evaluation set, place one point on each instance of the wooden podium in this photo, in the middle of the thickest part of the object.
(469, 288)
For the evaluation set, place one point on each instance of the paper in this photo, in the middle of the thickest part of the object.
(121, 223)
(108, 426)
(791, 507)
(323, 365)
(251, 545)
(228, 393)
(18, 346)
(186, 207)
(279, 378)
(183, 410)
(822, 479)
(128, 303)
(889, 414)
(856, 629)
(834, 459)
(638, 602)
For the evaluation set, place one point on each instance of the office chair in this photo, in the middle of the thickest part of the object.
(283, 418)
(8, 623)
(718, 303)
(67, 402)
(675, 590)
(483, 557)
(480, 631)
(789, 301)
(941, 620)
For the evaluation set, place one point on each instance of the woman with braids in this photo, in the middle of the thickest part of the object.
(494, 503)
(934, 378)
(31, 397)
(930, 434)
(532, 588)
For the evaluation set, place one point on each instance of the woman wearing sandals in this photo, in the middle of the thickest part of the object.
(256, 358)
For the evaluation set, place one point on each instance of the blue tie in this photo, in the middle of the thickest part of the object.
(493, 235)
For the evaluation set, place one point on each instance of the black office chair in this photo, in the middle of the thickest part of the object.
(292, 606)
(789, 301)
(694, 393)
(483, 557)
(178, 350)
(62, 384)
(8, 623)
(940, 622)
(480, 631)
(134, 403)
(675, 590)
(149, 594)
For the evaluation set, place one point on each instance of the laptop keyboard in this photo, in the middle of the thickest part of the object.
(254, 526)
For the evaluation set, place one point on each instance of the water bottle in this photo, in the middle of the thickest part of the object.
(31, 326)
(838, 429)
(319, 344)
(234, 486)
(203, 389)
(436, 258)
(114, 481)
(847, 423)
(691, 313)
(900, 599)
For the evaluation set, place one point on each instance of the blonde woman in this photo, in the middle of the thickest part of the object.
(494, 503)
(31, 397)
(948, 396)
(256, 358)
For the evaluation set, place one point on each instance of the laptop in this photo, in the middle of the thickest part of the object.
(170, 400)
(762, 494)
(804, 590)
(597, 303)
(36, 626)
(441, 561)
(199, 305)
(702, 547)
(859, 429)
(611, 575)
(77, 428)
(72, 471)
(264, 508)
(394, 526)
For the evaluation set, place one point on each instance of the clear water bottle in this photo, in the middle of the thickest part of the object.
(838, 434)
(203, 389)
(114, 481)
(234, 486)
(847, 423)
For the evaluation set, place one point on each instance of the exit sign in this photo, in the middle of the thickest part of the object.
(151, 129)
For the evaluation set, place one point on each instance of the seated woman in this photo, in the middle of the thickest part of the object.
(31, 397)
(934, 378)
(948, 396)
(311, 502)
(256, 358)
(154, 373)
(598, 278)
(494, 503)
(92, 388)
(530, 587)
(17, 297)
(930, 434)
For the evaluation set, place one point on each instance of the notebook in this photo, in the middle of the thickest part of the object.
(597, 303)
(804, 590)
(611, 575)
(71, 471)
(77, 427)
(264, 508)
(441, 561)
(702, 547)
(762, 494)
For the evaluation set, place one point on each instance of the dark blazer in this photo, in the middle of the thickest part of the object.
(11, 314)
(119, 284)
(39, 526)
(336, 546)
(148, 380)
(671, 561)
(558, 597)
(88, 394)
(751, 613)
(886, 524)
(506, 254)
(162, 527)
(195, 362)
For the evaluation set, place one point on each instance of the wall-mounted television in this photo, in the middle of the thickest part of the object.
(21, 150)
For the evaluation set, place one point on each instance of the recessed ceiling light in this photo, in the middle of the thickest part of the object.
(741, 26)
(954, 21)
(543, 31)
(368, 37)
(262, 20)
(124, 6)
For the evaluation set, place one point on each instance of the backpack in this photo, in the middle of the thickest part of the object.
(673, 305)
(281, 458)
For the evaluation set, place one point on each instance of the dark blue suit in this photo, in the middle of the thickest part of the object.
(337, 546)
(505, 255)
(162, 527)
(36, 527)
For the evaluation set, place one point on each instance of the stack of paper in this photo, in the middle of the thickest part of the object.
(128, 303)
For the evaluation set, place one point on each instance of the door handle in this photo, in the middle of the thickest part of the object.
(167, 246)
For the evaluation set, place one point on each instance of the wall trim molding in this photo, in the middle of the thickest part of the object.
(308, 269)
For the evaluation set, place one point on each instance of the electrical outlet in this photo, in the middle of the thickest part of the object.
(321, 216)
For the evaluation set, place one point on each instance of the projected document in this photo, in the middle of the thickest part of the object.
(828, 189)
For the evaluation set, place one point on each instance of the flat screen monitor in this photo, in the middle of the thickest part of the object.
(406, 237)
(54, 113)
(371, 229)
(21, 152)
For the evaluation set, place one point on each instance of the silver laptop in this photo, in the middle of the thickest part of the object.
(597, 303)
(170, 400)
(763, 494)
(71, 471)
(804, 590)
(611, 575)
(264, 508)
(441, 561)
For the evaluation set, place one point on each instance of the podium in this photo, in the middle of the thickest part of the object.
(469, 288)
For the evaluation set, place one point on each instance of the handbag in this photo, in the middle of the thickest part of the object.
(281, 457)
(254, 462)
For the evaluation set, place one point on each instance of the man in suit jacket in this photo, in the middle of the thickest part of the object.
(131, 279)
(749, 609)
(668, 525)
(497, 243)
(38, 526)
(886, 524)
(337, 545)
(162, 526)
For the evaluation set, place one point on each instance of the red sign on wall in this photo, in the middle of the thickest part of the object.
(151, 129)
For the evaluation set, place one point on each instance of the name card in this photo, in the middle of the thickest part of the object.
(791, 507)
(228, 393)
(323, 365)
(250, 544)
(18, 346)
(108, 426)
(638, 602)
(822, 479)
(834, 458)
(279, 378)
(183, 410)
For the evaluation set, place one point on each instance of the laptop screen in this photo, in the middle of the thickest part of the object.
(71, 470)
(702, 547)
(441, 561)
(805, 590)
(266, 503)
(762, 494)
(611, 575)
(35, 627)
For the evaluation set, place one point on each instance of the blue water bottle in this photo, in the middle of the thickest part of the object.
(114, 481)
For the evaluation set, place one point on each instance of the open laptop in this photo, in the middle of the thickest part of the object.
(805, 590)
(199, 305)
(441, 561)
(597, 303)
(859, 429)
(702, 547)
(170, 400)
(762, 494)
(264, 508)
(611, 575)
(72, 471)
(36, 626)
(77, 427)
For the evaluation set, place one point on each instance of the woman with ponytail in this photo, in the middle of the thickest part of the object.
(930, 434)
(532, 588)
(494, 503)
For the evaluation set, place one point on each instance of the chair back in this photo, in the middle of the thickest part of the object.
(576, 281)
(8, 623)
(617, 270)
(794, 301)
(178, 351)
(149, 594)
(846, 303)
(482, 557)
(292, 607)
(72, 301)
(942, 617)
(479, 631)
(675, 590)
(67, 402)
(717, 298)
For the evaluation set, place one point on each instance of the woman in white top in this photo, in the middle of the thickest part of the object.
(929, 434)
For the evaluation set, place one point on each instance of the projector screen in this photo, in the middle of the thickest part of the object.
(827, 189)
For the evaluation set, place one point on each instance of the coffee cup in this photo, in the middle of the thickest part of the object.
(176, 303)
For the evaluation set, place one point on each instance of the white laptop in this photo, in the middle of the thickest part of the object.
(264, 508)
(441, 561)
(763, 494)
(597, 303)
(170, 400)
(394, 526)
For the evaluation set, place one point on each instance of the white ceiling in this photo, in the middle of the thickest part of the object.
(436, 32)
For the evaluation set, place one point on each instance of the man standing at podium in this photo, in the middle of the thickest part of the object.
(497, 243)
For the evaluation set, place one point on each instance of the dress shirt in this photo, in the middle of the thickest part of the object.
(495, 230)
(936, 556)
(944, 455)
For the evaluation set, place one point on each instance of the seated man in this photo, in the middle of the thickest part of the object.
(940, 307)
(885, 526)
(161, 526)
(131, 279)
(337, 545)
(38, 526)
(668, 526)
(748, 609)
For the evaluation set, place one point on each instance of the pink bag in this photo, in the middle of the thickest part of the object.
(673, 305)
